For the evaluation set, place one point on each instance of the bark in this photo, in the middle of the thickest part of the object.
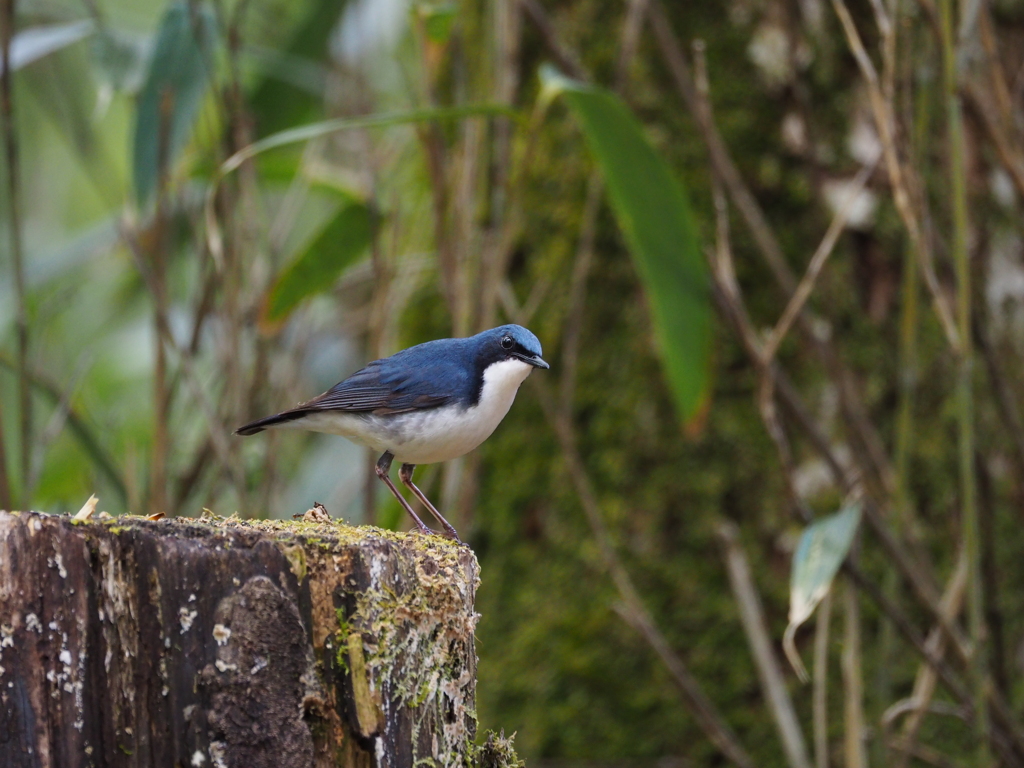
(227, 643)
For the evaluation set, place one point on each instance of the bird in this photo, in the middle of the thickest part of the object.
(429, 403)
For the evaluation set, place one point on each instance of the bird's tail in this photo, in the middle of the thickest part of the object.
(271, 421)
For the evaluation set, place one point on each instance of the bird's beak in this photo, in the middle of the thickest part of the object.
(535, 360)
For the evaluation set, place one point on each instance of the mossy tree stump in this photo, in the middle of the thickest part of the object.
(224, 643)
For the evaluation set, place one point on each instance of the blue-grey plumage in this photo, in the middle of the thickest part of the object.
(432, 402)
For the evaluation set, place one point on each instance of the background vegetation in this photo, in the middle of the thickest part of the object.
(212, 210)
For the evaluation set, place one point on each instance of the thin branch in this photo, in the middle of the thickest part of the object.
(925, 754)
(727, 289)
(885, 125)
(577, 292)
(990, 576)
(971, 539)
(721, 160)
(803, 290)
(924, 684)
(14, 233)
(820, 695)
(853, 682)
(1009, 413)
(1009, 155)
(565, 59)
(631, 28)
(506, 26)
(768, 671)
(6, 501)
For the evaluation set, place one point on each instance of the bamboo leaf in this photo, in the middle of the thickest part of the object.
(318, 264)
(651, 209)
(821, 551)
(172, 92)
(119, 60)
(34, 43)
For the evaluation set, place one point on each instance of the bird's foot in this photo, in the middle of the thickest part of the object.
(451, 533)
(448, 533)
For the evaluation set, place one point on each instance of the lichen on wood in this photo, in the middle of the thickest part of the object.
(227, 643)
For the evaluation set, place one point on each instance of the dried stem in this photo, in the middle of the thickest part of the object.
(885, 124)
(806, 286)
(566, 60)
(577, 292)
(820, 674)
(964, 390)
(990, 577)
(1005, 401)
(853, 682)
(907, 384)
(6, 501)
(924, 684)
(768, 671)
(14, 233)
(1009, 155)
(507, 35)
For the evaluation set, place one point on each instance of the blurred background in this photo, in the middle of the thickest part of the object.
(772, 249)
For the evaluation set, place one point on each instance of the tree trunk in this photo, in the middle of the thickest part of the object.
(227, 643)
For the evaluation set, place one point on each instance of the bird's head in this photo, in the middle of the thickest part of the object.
(511, 342)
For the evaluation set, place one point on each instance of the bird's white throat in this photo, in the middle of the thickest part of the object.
(435, 434)
(501, 382)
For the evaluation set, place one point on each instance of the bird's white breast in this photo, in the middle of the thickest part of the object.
(436, 434)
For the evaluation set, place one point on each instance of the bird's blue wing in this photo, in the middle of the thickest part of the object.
(390, 386)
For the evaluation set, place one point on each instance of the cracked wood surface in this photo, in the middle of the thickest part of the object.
(232, 644)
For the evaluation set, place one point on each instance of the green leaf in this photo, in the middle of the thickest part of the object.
(819, 555)
(119, 59)
(319, 263)
(34, 43)
(172, 93)
(651, 208)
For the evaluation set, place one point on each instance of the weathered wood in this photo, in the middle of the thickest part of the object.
(226, 643)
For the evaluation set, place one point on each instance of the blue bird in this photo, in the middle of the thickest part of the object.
(432, 402)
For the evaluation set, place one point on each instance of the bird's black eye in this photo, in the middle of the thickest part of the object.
(506, 342)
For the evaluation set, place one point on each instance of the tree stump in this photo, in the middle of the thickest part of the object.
(215, 643)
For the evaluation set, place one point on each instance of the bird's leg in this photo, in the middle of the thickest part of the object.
(405, 474)
(382, 469)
